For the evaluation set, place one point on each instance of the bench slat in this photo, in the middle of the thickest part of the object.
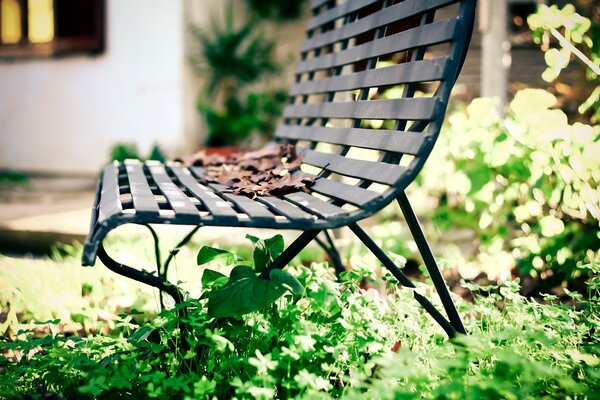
(110, 203)
(316, 206)
(405, 142)
(218, 207)
(178, 201)
(284, 208)
(411, 72)
(422, 108)
(347, 193)
(254, 209)
(383, 17)
(371, 170)
(143, 199)
(427, 35)
(339, 11)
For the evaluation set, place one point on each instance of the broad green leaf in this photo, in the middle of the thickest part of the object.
(253, 239)
(265, 250)
(208, 254)
(244, 293)
(275, 245)
(141, 334)
(261, 256)
(212, 278)
(288, 280)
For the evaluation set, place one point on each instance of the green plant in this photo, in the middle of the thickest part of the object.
(577, 36)
(336, 340)
(123, 151)
(9, 177)
(85, 300)
(239, 118)
(527, 183)
(244, 291)
(231, 58)
(276, 9)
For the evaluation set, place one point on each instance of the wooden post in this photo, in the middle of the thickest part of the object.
(495, 48)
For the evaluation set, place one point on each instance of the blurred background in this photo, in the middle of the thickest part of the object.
(77, 78)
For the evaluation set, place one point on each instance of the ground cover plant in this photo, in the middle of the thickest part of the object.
(333, 340)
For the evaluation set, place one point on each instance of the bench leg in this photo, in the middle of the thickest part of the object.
(158, 282)
(162, 269)
(430, 263)
(332, 252)
(403, 279)
(290, 252)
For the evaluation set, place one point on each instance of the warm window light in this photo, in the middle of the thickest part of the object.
(11, 21)
(41, 21)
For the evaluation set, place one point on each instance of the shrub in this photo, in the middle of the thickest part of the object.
(526, 182)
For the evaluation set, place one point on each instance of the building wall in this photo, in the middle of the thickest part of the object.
(62, 115)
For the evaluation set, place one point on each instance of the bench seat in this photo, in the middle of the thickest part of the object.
(171, 193)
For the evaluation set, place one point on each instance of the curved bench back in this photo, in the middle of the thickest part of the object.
(358, 107)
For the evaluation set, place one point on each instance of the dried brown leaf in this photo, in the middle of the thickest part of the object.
(271, 171)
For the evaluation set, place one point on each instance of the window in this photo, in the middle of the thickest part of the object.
(42, 28)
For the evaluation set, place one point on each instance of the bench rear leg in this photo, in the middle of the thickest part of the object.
(430, 263)
(332, 252)
(402, 278)
(290, 252)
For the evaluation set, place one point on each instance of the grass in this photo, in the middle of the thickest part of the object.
(336, 340)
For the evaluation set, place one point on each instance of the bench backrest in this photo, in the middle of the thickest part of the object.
(346, 108)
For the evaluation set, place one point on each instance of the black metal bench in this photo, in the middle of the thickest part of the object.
(330, 102)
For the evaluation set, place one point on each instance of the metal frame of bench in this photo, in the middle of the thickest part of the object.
(338, 59)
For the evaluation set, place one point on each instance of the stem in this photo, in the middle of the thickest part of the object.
(582, 57)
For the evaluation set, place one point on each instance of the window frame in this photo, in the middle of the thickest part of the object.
(58, 46)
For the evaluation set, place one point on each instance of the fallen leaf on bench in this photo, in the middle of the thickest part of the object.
(271, 171)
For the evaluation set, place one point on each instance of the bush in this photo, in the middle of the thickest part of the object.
(526, 182)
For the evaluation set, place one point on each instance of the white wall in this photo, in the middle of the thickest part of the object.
(63, 115)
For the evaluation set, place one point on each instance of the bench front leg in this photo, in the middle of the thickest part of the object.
(158, 282)
(430, 263)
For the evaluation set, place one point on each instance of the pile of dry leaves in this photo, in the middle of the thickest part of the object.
(271, 171)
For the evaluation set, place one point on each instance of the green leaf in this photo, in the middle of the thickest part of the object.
(208, 254)
(265, 250)
(212, 278)
(275, 245)
(288, 280)
(244, 293)
(141, 334)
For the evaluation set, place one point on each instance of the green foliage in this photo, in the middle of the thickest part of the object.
(85, 300)
(577, 37)
(276, 9)
(526, 182)
(123, 151)
(337, 340)
(236, 121)
(156, 154)
(231, 58)
(244, 292)
(9, 177)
